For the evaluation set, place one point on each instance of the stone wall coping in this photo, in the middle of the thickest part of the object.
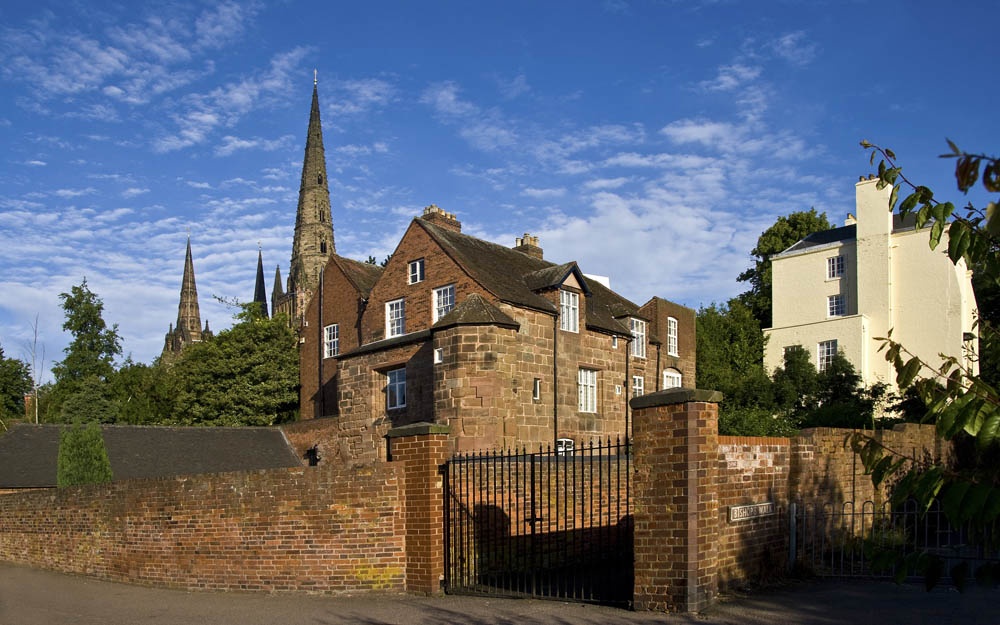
(672, 396)
(418, 429)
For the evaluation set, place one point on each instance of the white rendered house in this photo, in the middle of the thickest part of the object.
(840, 289)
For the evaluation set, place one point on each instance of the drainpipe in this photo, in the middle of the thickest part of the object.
(628, 385)
(555, 381)
(319, 351)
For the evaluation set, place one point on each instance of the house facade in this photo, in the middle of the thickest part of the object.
(842, 289)
(504, 347)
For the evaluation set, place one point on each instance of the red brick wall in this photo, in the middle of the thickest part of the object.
(752, 471)
(317, 529)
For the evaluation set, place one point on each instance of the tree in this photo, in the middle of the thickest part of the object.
(93, 349)
(142, 394)
(15, 383)
(83, 458)
(962, 404)
(88, 403)
(730, 353)
(783, 234)
(246, 375)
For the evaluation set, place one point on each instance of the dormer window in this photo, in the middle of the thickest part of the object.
(569, 311)
(638, 327)
(415, 271)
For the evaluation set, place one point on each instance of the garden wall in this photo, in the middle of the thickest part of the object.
(314, 529)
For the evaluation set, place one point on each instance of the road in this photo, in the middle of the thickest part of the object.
(34, 597)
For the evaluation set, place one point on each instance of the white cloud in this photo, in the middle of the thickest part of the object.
(731, 77)
(543, 194)
(707, 133)
(514, 87)
(444, 98)
(231, 144)
(134, 192)
(360, 96)
(223, 23)
(601, 184)
(794, 48)
(72, 193)
(35, 163)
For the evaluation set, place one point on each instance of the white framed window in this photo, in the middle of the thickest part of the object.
(672, 349)
(614, 342)
(395, 388)
(438, 355)
(395, 318)
(638, 327)
(835, 267)
(672, 378)
(331, 340)
(444, 301)
(638, 385)
(836, 306)
(569, 311)
(536, 389)
(587, 390)
(825, 351)
(415, 270)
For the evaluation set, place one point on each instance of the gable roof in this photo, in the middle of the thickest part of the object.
(29, 453)
(848, 233)
(516, 278)
(362, 275)
(476, 311)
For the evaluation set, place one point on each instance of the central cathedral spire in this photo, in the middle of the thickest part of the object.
(313, 242)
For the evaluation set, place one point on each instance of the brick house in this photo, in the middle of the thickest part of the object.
(504, 347)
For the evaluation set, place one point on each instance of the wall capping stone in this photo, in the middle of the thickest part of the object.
(418, 429)
(672, 396)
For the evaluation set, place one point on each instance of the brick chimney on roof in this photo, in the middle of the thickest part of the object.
(528, 244)
(435, 215)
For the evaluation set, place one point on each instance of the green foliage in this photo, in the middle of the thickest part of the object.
(246, 375)
(15, 383)
(783, 234)
(88, 403)
(83, 459)
(963, 405)
(142, 394)
(92, 351)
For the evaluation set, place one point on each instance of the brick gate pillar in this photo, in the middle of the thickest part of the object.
(675, 445)
(423, 448)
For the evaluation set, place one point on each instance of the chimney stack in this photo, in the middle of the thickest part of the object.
(528, 244)
(435, 215)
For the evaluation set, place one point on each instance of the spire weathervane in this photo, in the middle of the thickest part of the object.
(315, 77)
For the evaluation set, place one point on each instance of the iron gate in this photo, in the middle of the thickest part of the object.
(551, 524)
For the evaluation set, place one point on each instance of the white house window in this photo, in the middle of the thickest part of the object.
(444, 301)
(836, 306)
(536, 389)
(416, 271)
(638, 385)
(438, 355)
(671, 378)
(331, 340)
(395, 388)
(587, 390)
(672, 336)
(569, 311)
(638, 327)
(825, 352)
(395, 318)
(834, 267)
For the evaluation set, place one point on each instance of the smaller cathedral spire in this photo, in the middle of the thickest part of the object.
(188, 327)
(259, 291)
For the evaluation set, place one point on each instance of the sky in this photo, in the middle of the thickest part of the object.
(651, 141)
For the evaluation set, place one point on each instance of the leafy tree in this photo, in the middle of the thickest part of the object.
(730, 353)
(783, 234)
(92, 351)
(963, 405)
(796, 383)
(88, 403)
(246, 375)
(83, 458)
(142, 394)
(15, 383)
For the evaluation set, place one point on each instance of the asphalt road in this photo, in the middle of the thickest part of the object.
(34, 597)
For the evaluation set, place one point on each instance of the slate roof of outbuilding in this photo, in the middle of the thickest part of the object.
(515, 277)
(29, 453)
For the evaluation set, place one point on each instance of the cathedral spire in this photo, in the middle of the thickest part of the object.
(259, 292)
(188, 328)
(313, 242)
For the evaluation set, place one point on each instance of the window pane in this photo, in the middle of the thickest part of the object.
(444, 301)
(638, 337)
(825, 353)
(395, 318)
(569, 311)
(331, 341)
(672, 336)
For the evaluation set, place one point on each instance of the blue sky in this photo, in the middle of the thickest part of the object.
(651, 141)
